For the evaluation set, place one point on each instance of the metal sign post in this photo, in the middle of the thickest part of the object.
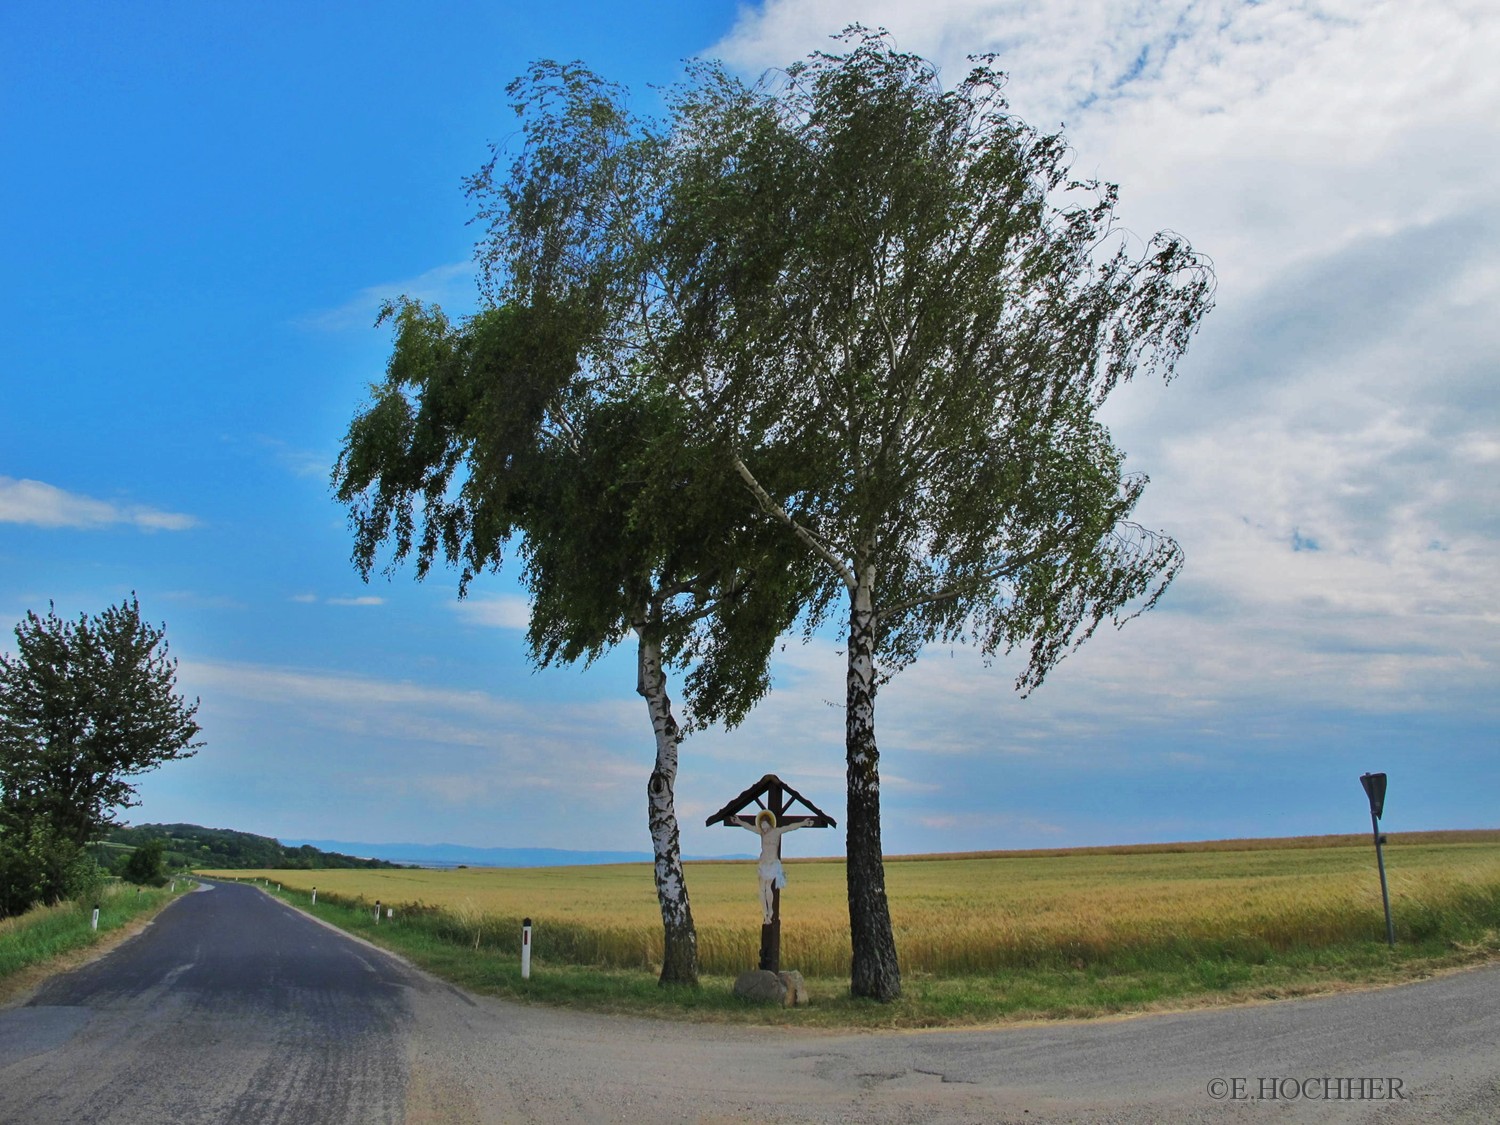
(1374, 784)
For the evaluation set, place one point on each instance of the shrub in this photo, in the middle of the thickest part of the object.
(143, 866)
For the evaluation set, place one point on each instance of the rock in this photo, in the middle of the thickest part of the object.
(760, 986)
(796, 988)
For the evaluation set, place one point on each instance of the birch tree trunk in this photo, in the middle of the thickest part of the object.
(679, 963)
(875, 972)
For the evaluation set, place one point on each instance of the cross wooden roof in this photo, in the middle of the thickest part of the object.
(767, 792)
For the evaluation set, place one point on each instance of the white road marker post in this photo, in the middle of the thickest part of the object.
(377, 912)
(94, 924)
(525, 948)
(315, 896)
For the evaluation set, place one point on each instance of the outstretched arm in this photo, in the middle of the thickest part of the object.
(739, 822)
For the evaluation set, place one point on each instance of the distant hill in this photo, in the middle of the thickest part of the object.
(191, 845)
(457, 855)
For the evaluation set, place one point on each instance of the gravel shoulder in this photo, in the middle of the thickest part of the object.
(484, 1060)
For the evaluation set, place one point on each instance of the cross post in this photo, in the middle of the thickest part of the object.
(772, 794)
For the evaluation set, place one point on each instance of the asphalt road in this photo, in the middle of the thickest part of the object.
(234, 1008)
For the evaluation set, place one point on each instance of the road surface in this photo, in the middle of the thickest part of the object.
(233, 1008)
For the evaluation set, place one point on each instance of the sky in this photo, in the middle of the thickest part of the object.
(204, 205)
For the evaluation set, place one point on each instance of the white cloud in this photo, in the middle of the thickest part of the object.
(43, 505)
(298, 462)
(364, 757)
(1326, 456)
(395, 719)
(1267, 132)
(361, 600)
(507, 611)
(453, 286)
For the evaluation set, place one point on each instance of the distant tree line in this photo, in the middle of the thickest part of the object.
(189, 846)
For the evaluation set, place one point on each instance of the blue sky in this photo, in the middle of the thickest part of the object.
(204, 205)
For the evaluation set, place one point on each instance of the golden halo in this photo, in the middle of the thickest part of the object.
(765, 814)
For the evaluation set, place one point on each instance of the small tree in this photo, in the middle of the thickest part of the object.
(85, 706)
(144, 866)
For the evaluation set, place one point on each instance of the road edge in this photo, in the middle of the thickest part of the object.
(21, 986)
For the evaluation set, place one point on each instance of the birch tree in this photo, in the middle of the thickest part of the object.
(485, 432)
(905, 286)
(897, 314)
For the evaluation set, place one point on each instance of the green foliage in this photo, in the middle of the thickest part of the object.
(491, 429)
(892, 314)
(487, 431)
(907, 286)
(144, 866)
(85, 706)
(892, 303)
(638, 530)
(35, 863)
(85, 880)
(450, 435)
(190, 846)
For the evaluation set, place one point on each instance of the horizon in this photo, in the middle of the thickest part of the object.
(1352, 839)
(210, 205)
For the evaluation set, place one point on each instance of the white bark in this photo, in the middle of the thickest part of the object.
(680, 939)
(875, 971)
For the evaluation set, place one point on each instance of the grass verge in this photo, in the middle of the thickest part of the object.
(51, 939)
(1172, 977)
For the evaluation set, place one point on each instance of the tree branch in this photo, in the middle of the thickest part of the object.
(808, 539)
(960, 589)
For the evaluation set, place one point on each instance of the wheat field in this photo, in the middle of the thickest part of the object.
(965, 915)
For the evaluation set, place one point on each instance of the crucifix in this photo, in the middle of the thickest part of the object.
(771, 817)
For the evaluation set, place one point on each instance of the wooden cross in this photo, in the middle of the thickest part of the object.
(776, 796)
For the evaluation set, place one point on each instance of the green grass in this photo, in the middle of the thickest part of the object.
(46, 934)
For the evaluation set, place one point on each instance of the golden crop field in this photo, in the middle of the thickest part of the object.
(963, 915)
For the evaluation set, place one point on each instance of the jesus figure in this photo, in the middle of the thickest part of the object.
(771, 874)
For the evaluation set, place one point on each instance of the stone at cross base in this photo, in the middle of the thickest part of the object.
(761, 986)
